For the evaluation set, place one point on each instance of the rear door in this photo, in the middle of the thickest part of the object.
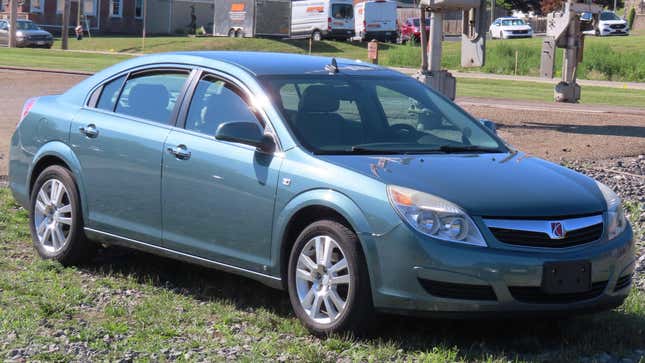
(341, 13)
(119, 142)
(218, 197)
(380, 16)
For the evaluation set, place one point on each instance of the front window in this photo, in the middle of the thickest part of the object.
(345, 115)
(513, 22)
(115, 8)
(36, 6)
(342, 11)
(607, 15)
(417, 22)
(138, 9)
(26, 25)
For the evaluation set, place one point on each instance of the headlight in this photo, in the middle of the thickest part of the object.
(434, 216)
(615, 213)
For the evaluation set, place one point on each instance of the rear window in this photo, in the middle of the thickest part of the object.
(342, 11)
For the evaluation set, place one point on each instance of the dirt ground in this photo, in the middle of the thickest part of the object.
(551, 131)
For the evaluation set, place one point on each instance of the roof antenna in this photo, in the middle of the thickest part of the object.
(333, 67)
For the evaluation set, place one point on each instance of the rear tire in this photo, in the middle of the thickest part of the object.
(231, 33)
(56, 220)
(316, 36)
(328, 281)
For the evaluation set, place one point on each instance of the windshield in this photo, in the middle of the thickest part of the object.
(609, 16)
(342, 11)
(511, 22)
(417, 22)
(394, 115)
(26, 25)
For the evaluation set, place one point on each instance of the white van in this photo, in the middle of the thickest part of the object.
(322, 19)
(376, 19)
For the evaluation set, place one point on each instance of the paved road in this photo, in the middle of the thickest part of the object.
(552, 131)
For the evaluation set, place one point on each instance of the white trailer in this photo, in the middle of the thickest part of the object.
(376, 19)
(333, 19)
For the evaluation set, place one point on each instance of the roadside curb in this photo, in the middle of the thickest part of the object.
(58, 71)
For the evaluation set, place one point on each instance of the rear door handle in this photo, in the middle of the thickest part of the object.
(90, 131)
(180, 152)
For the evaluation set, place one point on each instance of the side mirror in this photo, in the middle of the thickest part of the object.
(247, 133)
(489, 124)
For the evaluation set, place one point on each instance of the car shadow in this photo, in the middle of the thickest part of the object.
(474, 339)
(607, 130)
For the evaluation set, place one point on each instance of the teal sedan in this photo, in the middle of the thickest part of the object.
(355, 188)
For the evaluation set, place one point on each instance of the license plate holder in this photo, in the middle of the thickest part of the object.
(566, 277)
(40, 42)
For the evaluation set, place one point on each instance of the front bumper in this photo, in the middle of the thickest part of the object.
(46, 43)
(508, 35)
(413, 274)
(608, 31)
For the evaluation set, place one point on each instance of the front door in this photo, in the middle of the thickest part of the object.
(119, 143)
(218, 197)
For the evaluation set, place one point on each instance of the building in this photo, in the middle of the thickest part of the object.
(118, 16)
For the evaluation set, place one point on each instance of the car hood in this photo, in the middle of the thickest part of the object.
(490, 185)
(612, 22)
(516, 27)
(34, 32)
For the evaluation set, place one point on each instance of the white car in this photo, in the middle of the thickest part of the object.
(505, 28)
(608, 24)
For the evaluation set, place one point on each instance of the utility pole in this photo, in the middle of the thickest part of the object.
(145, 19)
(65, 28)
(13, 13)
(492, 12)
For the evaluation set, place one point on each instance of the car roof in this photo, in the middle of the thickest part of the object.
(268, 63)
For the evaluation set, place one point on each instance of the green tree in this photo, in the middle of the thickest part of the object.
(519, 5)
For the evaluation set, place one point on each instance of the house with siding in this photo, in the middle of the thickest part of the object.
(117, 16)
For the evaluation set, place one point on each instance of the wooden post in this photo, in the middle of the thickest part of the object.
(372, 51)
(65, 26)
(13, 13)
(145, 18)
(424, 40)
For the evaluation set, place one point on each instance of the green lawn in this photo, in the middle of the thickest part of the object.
(129, 304)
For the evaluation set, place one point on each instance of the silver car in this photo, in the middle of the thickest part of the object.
(28, 34)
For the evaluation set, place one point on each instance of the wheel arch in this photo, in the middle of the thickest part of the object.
(309, 207)
(57, 153)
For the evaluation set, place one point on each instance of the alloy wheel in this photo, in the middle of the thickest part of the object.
(53, 216)
(323, 280)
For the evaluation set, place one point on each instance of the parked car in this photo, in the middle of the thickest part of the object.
(608, 24)
(411, 29)
(506, 28)
(376, 19)
(28, 34)
(332, 19)
(352, 186)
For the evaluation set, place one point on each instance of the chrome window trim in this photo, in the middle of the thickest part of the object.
(543, 226)
(128, 242)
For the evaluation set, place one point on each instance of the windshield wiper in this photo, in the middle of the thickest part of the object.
(468, 148)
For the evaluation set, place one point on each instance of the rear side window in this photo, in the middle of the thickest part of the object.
(109, 94)
(215, 102)
(152, 95)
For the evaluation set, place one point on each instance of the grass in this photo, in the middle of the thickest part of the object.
(129, 304)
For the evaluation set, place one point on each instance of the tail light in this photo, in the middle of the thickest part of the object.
(329, 23)
(27, 108)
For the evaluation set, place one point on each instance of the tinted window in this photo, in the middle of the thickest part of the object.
(608, 16)
(152, 96)
(215, 102)
(342, 11)
(343, 115)
(109, 94)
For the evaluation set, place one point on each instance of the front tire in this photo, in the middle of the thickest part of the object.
(56, 220)
(328, 281)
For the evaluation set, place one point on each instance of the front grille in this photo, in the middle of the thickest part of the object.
(520, 31)
(617, 26)
(38, 37)
(540, 239)
(458, 291)
(535, 295)
(623, 282)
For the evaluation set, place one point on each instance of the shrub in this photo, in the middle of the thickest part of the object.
(630, 17)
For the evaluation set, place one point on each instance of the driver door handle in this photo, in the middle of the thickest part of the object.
(90, 131)
(180, 152)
